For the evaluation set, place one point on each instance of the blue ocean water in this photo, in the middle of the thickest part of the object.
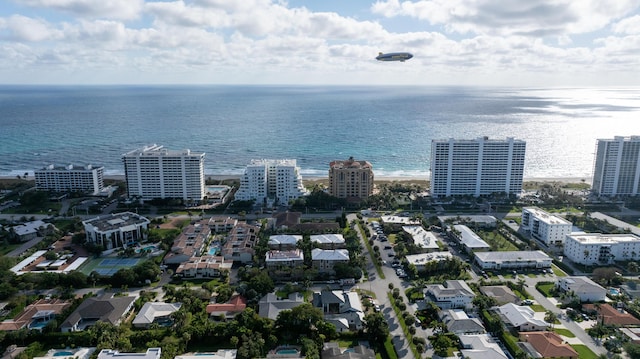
(392, 127)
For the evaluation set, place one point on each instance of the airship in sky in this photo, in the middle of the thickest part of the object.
(394, 56)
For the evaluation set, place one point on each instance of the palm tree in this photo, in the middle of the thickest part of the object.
(632, 267)
(550, 317)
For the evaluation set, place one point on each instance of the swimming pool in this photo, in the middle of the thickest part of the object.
(287, 351)
(63, 354)
(213, 189)
(214, 251)
(614, 291)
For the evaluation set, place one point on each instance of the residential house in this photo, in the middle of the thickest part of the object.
(521, 318)
(289, 264)
(155, 312)
(283, 242)
(470, 241)
(218, 354)
(583, 287)
(501, 293)
(611, 316)
(151, 353)
(458, 322)
(421, 260)
(236, 304)
(547, 345)
(325, 260)
(285, 220)
(343, 309)
(423, 239)
(30, 230)
(98, 309)
(328, 241)
(331, 350)
(453, 294)
(480, 346)
(36, 315)
(271, 305)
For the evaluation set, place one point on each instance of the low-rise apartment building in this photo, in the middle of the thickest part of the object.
(453, 294)
(545, 227)
(600, 249)
(117, 230)
(324, 260)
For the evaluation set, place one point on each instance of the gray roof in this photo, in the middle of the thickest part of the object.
(512, 256)
(102, 309)
(270, 305)
(152, 310)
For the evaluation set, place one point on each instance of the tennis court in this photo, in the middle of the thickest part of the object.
(108, 266)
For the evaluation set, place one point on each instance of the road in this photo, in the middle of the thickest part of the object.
(380, 287)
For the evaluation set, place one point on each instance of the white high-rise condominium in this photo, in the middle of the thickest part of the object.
(274, 181)
(617, 166)
(87, 179)
(476, 167)
(156, 172)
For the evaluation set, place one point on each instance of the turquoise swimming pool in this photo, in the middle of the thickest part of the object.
(63, 354)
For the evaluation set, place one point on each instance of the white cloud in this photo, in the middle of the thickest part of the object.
(537, 18)
(629, 25)
(21, 28)
(115, 9)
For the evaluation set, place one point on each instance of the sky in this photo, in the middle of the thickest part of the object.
(454, 42)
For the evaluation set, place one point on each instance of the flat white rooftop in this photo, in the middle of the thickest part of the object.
(546, 217)
(599, 238)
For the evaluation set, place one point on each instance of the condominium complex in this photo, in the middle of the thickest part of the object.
(617, 166)
(598, 248)
(271, 181)
(476, 167)
(155, 172)
(86, 179)
(117, 230)
(545, 227)
(351, 179)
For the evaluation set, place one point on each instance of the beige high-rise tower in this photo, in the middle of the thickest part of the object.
(351, 179)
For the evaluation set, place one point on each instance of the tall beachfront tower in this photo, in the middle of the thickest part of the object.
(87, 179)
(476, 167)
(617, 166)
(351, 179)
(156, 172)
(271, 181)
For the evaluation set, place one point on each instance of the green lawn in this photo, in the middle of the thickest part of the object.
(545, 289)
(497, 241)
(537, 308)
(557, 271)
(584, 352)
(566, 332)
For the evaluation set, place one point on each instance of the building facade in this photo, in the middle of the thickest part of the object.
(155, 172)
(117, 230)
(598, 248)
(271, 181)
(617, 166)
(86, 179)
(351, 179)
(476, 167)
(545, 227)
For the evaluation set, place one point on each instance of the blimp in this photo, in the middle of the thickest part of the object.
(394, 56)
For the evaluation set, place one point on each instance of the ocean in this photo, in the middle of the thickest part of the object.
(392, 127)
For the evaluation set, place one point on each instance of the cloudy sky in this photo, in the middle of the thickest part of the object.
(454, 42)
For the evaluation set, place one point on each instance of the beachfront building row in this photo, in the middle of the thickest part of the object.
(351, 179)
(545, 227)
(617, 167)
(86, 179)
(154, 172)
(599, 249)
(476, 167)
(270, 182)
